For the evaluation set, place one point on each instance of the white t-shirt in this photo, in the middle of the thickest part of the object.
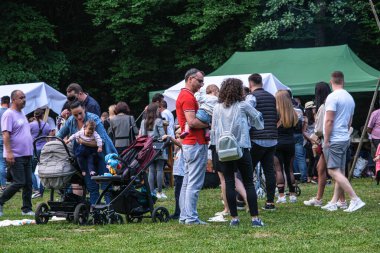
(342, 103)
(167, 115)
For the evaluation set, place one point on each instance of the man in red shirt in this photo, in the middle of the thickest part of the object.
(194, 148)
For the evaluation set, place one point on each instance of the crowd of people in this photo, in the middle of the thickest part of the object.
(271, 130)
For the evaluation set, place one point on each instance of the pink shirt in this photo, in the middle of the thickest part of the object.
(80, 134)
(378, 161)
(374, 123)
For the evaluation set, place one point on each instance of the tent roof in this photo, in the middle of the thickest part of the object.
(37, 95)
(302, 68)
(270, 84)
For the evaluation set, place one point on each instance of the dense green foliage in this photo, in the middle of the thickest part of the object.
(291, 228)
(120, 49)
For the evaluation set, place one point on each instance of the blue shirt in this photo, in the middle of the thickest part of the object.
(92, 106)
(2, 110)
(71, 127)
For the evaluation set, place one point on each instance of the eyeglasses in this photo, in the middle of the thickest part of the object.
(199, 80)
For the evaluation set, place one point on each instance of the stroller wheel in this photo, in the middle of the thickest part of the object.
(116, 219)
(81, 214)
(42, 213)
(160, 214)
(133, 219)
(298, 190)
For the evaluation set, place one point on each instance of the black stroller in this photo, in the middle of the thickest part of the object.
(129, 189)
(58, 169)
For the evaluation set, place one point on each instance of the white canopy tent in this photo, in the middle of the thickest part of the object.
(270, 84)
(38, 95)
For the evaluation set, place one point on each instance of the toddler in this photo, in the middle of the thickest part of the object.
(206, 106)
(377, 160)
(87, 153)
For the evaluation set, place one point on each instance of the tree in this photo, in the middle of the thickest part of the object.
(305, 20)
(27, 45)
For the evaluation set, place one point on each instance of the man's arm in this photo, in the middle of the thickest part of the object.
(192, 121)
(329, 123)
(7, 145)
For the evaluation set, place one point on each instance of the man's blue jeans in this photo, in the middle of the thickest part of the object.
(195, 168)
(300, 158)
(3, 172)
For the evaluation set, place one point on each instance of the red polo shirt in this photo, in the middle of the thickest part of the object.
(186, 102)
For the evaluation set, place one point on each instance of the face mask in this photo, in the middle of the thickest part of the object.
(71, 98)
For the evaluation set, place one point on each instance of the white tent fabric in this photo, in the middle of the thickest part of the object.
(38, 95)
(270, 84)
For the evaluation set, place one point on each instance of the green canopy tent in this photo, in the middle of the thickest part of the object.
(301, 68)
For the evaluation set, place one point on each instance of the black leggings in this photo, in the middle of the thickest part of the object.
(311, 171)
(285, 155)
(244, 165)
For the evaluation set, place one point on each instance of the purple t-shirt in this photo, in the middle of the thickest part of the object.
(35, 129)
(17, 125)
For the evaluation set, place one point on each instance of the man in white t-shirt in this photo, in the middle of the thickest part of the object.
(168, 116)
(339, 108)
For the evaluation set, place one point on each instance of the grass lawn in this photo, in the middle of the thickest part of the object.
(291, 228)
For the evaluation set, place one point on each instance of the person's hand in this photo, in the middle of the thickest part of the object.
(83, 173)
(65, 113)
(326, 144)
(79, 140)
(9, 158)
(67, 141)
(376, 158)
(100, 150)
(92, 173)
(164, 137)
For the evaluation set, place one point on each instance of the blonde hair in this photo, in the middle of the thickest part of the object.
(287, 114)
(212, 88)
(111, 110)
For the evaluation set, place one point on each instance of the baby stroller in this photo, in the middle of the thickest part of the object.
(130, 191)
(57, 169)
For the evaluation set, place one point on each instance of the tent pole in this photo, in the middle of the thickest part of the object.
(364, 131)
(374, 13)
(371, 107)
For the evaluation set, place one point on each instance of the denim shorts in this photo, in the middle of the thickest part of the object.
(203, 116)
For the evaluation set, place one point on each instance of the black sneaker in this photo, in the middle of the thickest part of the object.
(269, 207)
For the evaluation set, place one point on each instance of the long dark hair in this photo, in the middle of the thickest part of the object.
(152, 114)
(231, 91)
(322, 90)
(38, 115)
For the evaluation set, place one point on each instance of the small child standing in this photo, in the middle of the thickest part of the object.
(206, 103)
(377, 160)
(87, 153)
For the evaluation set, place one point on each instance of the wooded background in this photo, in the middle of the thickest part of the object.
(121, 49)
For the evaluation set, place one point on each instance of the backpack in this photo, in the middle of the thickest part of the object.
(228, 146)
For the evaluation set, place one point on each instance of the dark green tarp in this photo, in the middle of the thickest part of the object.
(302, 68)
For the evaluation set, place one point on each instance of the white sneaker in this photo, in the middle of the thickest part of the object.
(313, 202)
(158, 195)
(219, 218)
(163, 196)
(222, 213)
(281, 200)
(30, 213)
(342, 205)
(330, 207)
(293, 199)
(355, 205)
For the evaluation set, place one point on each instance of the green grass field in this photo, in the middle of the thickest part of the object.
(291, 228)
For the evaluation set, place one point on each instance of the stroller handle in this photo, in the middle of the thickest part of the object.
(49, 137)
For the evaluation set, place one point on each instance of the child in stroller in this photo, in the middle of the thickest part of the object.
(129, 188)
(86, 153)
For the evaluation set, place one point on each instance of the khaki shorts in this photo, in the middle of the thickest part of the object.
(335, 155)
